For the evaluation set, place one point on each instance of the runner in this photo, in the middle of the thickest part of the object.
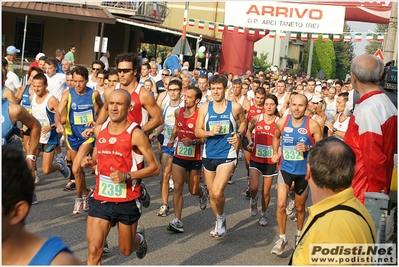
(121, 150)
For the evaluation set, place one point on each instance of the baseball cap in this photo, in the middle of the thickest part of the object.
(184, 68)
(309, 96)
(39, 55)
(318, 88)
(12, 50)
(316, 99)
(318, 83)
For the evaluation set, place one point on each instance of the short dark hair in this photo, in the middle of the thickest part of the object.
(40, 76)
(260, 90)
(99, 62)
(237, 81)
(337, 172)
(37, 69)
(340, 83)
(43, 58)
(130, 57)
(52, 61)
(256, 81)
(219, 78)
(4, 62)
(82, 71)
(176, 82)
(17, 180)
(147, 65)
(198, 93)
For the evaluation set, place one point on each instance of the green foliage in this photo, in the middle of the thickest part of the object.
(333, 57)
(161, 50)
(298, 72)
(260, 63)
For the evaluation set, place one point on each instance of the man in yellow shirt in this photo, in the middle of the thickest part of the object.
(336, 217)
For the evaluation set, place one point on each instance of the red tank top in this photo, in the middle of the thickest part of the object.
(252, 112)
(186, 127)
(116, 151)
(263, 141)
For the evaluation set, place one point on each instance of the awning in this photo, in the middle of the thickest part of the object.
(80, 12)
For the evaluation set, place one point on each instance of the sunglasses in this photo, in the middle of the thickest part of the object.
(96, 69)
(164, 74)
(124, 70)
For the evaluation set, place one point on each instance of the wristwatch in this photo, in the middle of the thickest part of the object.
(194, 142)
(335, 129)
(127, 176)
(240, 135)
(31, 157)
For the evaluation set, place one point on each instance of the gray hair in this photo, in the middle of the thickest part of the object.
(366, 75)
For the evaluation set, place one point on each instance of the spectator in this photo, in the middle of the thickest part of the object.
(71, 54)
(11, 55)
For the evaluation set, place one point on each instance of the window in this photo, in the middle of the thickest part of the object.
(34, 36)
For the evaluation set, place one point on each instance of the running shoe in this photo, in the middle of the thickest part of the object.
(34, 199)
(263, 219)
(78, 208)
(296, 241)
(163, 210)
(171, 184)
(64, 170)
(231, 180)
(145, 196)
(176, 226)
(70, 186)
(105, 248)
(253, 206)
(37, 178)
(85, 199)
(289, 210)
(204, 198)
(247, 194)
(143, 247)
(220, 228)
(279, 246)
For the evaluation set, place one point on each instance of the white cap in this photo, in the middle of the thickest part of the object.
(39, 55)
(309, 96)
(318, 83)
(316, 99)
(318, 88)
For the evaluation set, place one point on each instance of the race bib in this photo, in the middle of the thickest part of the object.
(29, 109)
(225, 126)
(108, 189)
(43, 122)
(264, 151)
(83, 117)
(290, 153)
(185, 151)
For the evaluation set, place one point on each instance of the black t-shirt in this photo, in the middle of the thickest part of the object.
(160, 87)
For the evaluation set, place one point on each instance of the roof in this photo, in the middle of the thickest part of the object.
(61, 10)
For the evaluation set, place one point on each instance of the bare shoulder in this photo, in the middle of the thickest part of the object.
(66, 258)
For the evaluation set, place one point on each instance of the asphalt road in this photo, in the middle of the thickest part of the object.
(246, 243)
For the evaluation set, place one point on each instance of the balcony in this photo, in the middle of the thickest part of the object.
(145, 11)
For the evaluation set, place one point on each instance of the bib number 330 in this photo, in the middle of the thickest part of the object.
(108, 189)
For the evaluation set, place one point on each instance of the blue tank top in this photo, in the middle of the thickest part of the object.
(217, 147)
(25, 101)
(50, 249)
(294, 162)
(80, 110)
(6, 124)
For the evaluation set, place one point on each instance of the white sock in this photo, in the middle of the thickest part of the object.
(221, 217)
(283, 237)
(141, 238)
(253, 200)
(298, 233)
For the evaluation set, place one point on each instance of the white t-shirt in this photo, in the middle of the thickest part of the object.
(91, 84)
(12, 81)
(56, 84)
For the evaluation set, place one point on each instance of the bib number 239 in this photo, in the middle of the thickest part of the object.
(108, 189)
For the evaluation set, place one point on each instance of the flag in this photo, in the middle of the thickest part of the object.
(220, 27)
(369, 37)
(304, 36)
(211, 26)
(315, 36)
(262, 32)
(230, 28)
(336, 37)
(347, 37)
(293, 36)
(272, 34)
(325, 37)
(191, 22)
(380, 38)
(240, 30)
(358, 37)
(251, 31)
(283, 34)
(201, 24)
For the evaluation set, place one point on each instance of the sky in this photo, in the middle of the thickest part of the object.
(362, 27)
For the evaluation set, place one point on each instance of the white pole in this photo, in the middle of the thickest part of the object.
(23, 44)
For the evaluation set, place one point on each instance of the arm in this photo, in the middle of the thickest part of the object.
(316, 131)
(251, 127)
(148, 102)
(9, 95)
(98, 102)
(160, 98)
(246, 105)
(154, 89)
(61, 110)
(276, 139)
(18, 95)
(53, 106)
(174, 131)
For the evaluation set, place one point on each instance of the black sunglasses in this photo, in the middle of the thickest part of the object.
(164, 74)
(96, 69)
(124, 70)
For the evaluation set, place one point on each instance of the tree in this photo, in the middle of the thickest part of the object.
(373, 46)
(260, 63)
